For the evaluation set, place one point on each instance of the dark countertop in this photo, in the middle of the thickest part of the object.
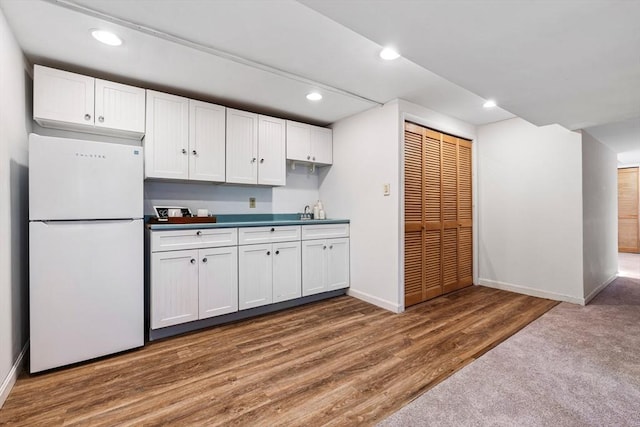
(248, 220)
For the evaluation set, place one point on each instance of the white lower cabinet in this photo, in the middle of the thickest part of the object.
(255, 276)
(198, 274)
(217, 281)
(192, 284)
(269, 273)
(174, 288)
(287, 278)
(325, 265)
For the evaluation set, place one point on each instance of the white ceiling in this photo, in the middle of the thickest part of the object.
(572, 62)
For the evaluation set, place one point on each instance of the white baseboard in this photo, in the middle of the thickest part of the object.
(12, 376)
(382, 303)
(530, 291)
(599, 289)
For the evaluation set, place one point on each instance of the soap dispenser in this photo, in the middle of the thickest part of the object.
(321, 213)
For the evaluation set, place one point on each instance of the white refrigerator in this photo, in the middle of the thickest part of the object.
(86, 254)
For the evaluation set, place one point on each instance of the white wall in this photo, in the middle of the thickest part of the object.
(600, 215)
(365, 155)
(301, 190)
(15, 112)
(530, 209)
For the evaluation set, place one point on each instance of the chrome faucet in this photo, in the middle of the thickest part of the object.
(307, 213)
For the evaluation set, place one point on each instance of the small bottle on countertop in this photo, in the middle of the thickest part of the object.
(322, 214)
(316, 211)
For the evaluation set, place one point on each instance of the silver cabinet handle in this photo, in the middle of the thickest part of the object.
(277, 252)
(268, 252)
(308, 157)
(253, 160)
(331, 247)
(87, 116)
(273, 229)
(198, 233)
(204, 260)
(261, 160)
(101, 119)
(314, 158)
(324, 247)
(193, 261)
(195, 153)
(184, 151)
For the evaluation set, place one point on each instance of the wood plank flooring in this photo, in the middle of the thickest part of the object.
(336, 362)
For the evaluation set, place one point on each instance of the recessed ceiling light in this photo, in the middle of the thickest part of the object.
(314, 96)
(106, 37)
(489, 104)
(389, 54)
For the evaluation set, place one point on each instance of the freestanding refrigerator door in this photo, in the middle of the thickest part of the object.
(86, 290)
(74, 179)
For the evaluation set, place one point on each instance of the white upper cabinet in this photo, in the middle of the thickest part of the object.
(321, 145)
(272, 166)
(298, 141)
(62, 97)
(242, 147)
(185, 139)
(72, 101)
(307, 143)
(255, 149)
(206, 141)
(119, 106)
(167, 140)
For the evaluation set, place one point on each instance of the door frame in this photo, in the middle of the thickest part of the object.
(450, 129)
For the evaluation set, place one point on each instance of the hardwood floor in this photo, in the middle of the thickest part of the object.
(336, 362)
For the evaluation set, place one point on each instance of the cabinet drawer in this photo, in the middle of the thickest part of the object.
(172, 240)
(324, 231)
(255, 235)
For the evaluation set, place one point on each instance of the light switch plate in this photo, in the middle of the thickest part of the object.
(387, 189)
(252, 202)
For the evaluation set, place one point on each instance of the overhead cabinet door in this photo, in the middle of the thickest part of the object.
(62, 96)
(167, 139)
(271, 151)
(206, 141)
(119, 106)
(242, 147)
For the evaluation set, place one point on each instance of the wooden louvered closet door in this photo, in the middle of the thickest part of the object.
(438, 221)
(628, 210)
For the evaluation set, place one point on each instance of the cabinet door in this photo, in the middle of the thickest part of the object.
(287, 280)
(174, 288)
(62, 96)
(119, 106)
(314, 269)
(218, 281)
(254, 277)
(321, 145)
(166, 142)
(206, 141)
(242, 147)
(337, 264)
(271, 151)
(298, 141)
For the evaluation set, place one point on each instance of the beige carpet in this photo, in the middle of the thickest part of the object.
(574, 366)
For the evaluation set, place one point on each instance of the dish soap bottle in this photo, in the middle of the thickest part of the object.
(316, 211)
